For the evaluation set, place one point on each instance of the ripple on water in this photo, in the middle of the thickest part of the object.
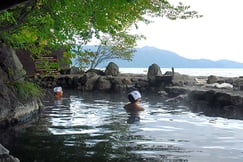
(99, 126)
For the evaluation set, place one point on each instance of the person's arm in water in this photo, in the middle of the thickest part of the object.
(133, 107)
(139, 108)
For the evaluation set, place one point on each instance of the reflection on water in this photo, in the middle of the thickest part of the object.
(95, 127)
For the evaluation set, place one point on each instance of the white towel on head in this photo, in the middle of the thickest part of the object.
(57, 89)
(135, 94)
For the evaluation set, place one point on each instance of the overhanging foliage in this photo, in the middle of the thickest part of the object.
(35, 24)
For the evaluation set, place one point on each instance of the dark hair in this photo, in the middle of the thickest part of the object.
(130, 98)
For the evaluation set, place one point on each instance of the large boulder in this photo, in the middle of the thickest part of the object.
(48, 82)
(153, 72)
(103, 84)
(181, 80)
(97, 71)
(5, 156)
(8, 99)
(118, 84)
(8, 102)
(212, 79)
(12, 108)
(90, 80)
(11, 64)
(240, 83)
(75, 70)
(112, 69)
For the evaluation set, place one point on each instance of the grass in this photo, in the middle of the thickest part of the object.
(26, 90)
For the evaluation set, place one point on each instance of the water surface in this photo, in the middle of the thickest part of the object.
(223, 72)
(95, 127)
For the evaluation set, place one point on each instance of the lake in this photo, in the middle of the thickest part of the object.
(95, 127)
(224, 72)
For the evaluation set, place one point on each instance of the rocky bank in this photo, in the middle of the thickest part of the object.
(13, 109)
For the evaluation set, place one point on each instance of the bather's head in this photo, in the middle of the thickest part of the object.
(58, 92)
(134, 96)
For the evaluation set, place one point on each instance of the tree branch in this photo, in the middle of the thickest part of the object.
(23, 13)
(8, 4)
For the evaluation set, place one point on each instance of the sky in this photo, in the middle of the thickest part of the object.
(217, 35)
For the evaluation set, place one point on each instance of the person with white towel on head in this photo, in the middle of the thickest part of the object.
(134, 97)
(58, 92)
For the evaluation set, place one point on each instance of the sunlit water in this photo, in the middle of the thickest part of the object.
(95, 127)
(224, 72)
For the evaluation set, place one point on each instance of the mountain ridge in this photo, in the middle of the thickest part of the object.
(147, 55)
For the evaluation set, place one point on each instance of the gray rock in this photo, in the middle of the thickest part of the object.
(8, 158)
(3, 150)
(153, 72)
(90, 80)
(97, 71)
(103, 84)
(112, 69)
(126, 81)
(117, 84)
(181, 80)
(240, 83)
(11, 63)
(212, 79)
(8, 99)
(75, 70)
(5, 157)
(213, 98)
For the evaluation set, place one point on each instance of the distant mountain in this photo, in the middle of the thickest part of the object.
(146, 56)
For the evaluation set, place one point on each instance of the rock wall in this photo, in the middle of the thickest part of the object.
(5, 156)
(12, 110)
(110, 80)
(93, 81)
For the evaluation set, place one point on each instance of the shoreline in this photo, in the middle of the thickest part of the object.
(194, 72)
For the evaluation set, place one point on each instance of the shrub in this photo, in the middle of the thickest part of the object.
(26, 90)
